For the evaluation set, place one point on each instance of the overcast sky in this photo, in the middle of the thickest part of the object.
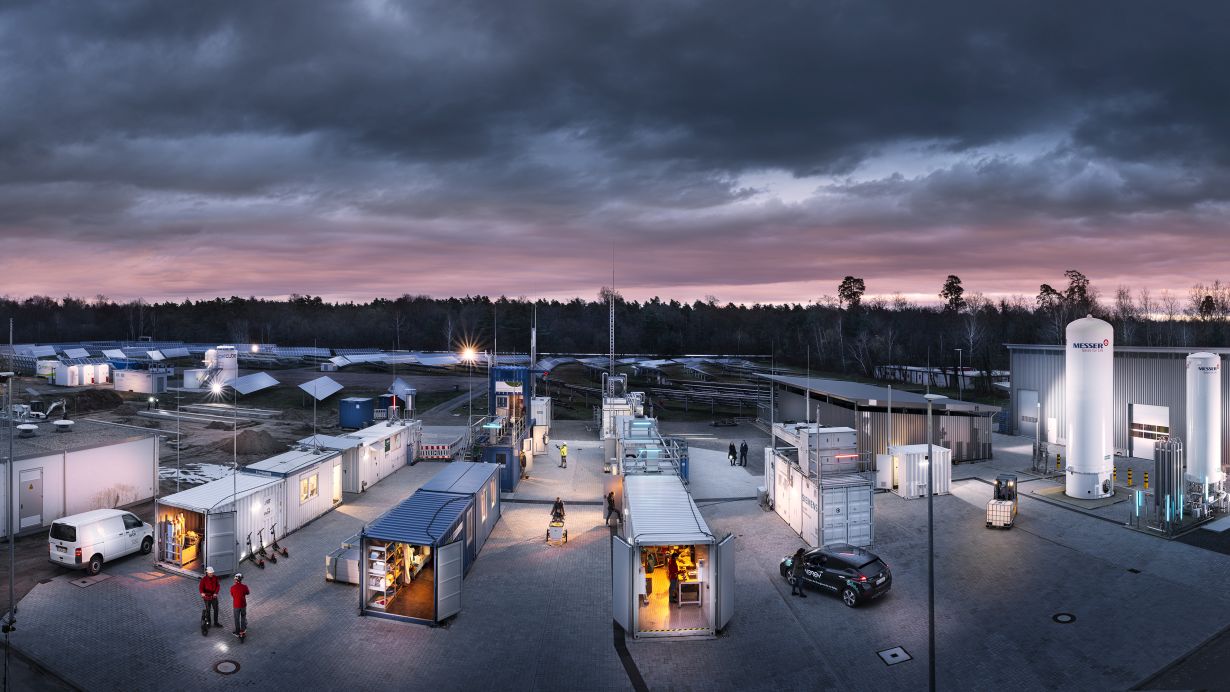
(748, 150)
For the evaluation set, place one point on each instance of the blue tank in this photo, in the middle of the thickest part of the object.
(356, 412)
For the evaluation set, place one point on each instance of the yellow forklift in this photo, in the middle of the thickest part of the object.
(1001, 509)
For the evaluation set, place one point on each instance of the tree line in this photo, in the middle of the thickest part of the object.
(850, 332)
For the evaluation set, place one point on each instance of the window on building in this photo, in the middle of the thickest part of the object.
(309, 487)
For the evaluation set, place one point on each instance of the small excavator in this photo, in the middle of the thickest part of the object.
(1001, 509)
(35, 411)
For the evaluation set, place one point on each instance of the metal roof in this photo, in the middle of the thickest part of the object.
(462, 477)
(661, 512)
(424, 518)
(1184, 350)
(861, 394)
(332, 442)
(220, 492)
(290, 462)
(380, 430)
(86, 434)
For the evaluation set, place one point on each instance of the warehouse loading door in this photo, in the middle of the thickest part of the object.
(1027, 413)
(1148, 424)
(725, 582)
(450, 569)
(220, 543)
(622, 557)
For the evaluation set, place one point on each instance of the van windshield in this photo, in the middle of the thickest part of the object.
(64, 532)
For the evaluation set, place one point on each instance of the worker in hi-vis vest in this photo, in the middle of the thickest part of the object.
(563, 455)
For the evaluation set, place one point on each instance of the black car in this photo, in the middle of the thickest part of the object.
(856, 573)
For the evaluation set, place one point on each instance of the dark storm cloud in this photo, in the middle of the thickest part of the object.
(559, 126)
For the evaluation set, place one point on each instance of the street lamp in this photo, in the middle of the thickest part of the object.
(930, 549)
(468, 353)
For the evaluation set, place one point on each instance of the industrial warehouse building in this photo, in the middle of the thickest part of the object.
(1149, 394)
(67, 468)
(961, 426)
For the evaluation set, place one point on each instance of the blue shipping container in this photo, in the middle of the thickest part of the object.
(356, 412)
(479, 481)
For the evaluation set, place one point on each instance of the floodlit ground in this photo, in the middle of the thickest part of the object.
(539, 617)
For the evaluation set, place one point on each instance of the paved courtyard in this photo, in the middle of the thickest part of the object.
(539, 617)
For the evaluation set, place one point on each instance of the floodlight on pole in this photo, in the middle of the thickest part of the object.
(930, 548)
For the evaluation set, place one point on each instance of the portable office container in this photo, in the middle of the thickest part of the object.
(480, 481)
(356, 412)
(313, 483)
(210, 525)
(662, 523)
(382, 449)
(350, 448)
(415, 556)
(909, 470)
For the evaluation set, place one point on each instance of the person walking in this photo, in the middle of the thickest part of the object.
(743, 454)
(672, 574)
(730, 453)
(611, 510)
(563, 456)
(557, 510)
(796, 574)
(209, 588)
(239, 599)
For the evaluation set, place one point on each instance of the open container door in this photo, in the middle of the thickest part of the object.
(725, 582)
(450, 569)
(623, 556)
(220, 542)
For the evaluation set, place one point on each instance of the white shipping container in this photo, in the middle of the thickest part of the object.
(910, 470)
(847, 510)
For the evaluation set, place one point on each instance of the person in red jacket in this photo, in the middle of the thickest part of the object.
(239, 596)
(209, 588)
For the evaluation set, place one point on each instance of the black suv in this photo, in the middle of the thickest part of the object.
(856, 573)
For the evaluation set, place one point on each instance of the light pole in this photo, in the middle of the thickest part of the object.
(930, 549)
(467, 354)
(11, 621)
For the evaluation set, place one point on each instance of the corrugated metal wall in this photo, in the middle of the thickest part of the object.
(1156, 379)
(969, 437)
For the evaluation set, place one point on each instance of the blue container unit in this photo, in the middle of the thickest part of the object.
(508, 397)
(479, 481)
(356, 412)
(414, 557)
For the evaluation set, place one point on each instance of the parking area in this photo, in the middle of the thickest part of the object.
(539, 617)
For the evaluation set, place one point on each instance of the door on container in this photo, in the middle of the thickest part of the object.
(1148, 424)
(450, 569)
(858, 516)
(337, 482)
(724, 582)
(1027, 413)
(220, 542)
(30, 498)
(622, 558)
(834, 516)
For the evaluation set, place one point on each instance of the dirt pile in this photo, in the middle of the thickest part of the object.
(251, 442)
(89, 400)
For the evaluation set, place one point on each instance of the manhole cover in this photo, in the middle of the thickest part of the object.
(894, 656)
(227, 667)
(1064, 618)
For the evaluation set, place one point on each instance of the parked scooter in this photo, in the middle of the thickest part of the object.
(256, 558)
(205, 621)
(272, 554)
(277, 548)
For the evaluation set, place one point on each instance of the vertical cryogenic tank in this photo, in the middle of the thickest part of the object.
(1089, 394)
(1204, 419)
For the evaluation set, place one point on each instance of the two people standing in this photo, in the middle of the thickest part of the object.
(738, 457)
(209, 588)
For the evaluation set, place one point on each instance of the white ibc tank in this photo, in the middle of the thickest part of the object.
(1203, 443)
(226, 359)
(1088, 399)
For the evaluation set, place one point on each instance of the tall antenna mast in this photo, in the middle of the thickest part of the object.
(611, 314)
(534, 352)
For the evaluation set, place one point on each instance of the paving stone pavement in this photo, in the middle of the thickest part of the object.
(538, 617)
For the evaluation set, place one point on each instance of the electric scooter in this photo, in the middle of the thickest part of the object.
(277, 548)
(256, 558)
(205, 621)
(272, 554)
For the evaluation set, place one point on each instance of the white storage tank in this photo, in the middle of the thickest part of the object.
(226, 359)
(1203, 444)
(1088, 402)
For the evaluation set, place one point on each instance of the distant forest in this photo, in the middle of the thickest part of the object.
(846, 333)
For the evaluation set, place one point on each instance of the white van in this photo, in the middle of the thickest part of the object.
(87, 540)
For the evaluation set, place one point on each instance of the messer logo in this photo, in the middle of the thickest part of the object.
(1091, 346)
